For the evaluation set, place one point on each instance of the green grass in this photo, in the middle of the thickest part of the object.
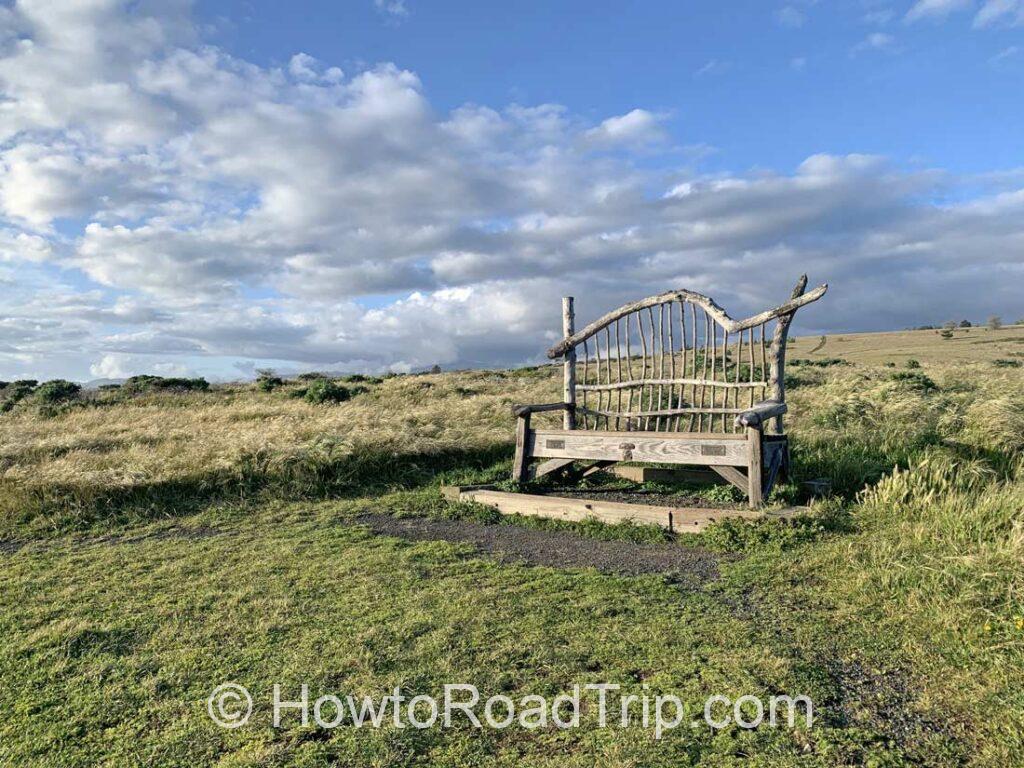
(154, 546)
(116, 644)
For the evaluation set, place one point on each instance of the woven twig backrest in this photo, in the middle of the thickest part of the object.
(678, 363)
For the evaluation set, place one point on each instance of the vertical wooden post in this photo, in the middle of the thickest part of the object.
(521, 462)
(569, 374)
(755, 468)
(777, 380)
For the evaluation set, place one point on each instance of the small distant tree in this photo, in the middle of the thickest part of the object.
(994, 323)
(436, 369)
(949, 325)
(965, 323)
(267, 380)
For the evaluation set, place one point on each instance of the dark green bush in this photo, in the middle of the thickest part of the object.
(269, 383)
(825, 362)
(15, 392)
(148, 383)
(57, 391)
(913, 364)
(1004, 363)
(326, 391)
(915, 380)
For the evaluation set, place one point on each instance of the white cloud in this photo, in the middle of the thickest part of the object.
(393, 8)
(936, 9)
(1009, 52)
(164, 203)
(636, 127)
(790, 16)
(713, 67)
(876, 41)
(994, 12)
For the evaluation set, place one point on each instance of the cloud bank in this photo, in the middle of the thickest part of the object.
(165, 206)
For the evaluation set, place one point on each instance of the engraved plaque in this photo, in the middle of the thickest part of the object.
(712, 450)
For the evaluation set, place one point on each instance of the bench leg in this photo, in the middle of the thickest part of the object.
(521, 462)
(755, 467)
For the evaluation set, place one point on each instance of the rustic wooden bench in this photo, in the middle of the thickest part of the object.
(670, 379)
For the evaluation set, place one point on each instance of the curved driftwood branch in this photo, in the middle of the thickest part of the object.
(760, 413)
(523, 410)
(708, 305)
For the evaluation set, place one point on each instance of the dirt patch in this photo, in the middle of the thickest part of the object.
(556, 549)
(884, 700)
(9, 547)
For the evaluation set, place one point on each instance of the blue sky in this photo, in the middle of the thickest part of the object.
(764, 83)
(206, 188)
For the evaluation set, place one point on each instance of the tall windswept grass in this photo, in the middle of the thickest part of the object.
(996, 423)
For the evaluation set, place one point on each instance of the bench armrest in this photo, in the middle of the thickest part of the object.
(523, 410)
(759, 413)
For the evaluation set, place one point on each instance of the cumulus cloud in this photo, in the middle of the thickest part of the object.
(163, 203)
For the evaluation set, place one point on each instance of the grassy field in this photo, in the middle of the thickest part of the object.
(155, 544)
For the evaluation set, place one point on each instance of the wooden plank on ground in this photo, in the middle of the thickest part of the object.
(677, 519)
(454, 492)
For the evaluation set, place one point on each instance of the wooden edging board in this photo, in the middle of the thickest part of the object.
(676, 519)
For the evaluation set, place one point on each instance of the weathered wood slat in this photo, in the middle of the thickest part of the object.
(709, 411)
(670, 382)
(636, 446)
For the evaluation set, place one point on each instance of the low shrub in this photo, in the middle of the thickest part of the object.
(326, 391)
(825, 362)
(15, 392)
(57, 391)
(148, 383)
(913, 363)
(915, 380)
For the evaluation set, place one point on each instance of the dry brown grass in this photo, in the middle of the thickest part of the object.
(928, 347)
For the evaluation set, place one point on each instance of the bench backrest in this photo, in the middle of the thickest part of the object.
(675, 362)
